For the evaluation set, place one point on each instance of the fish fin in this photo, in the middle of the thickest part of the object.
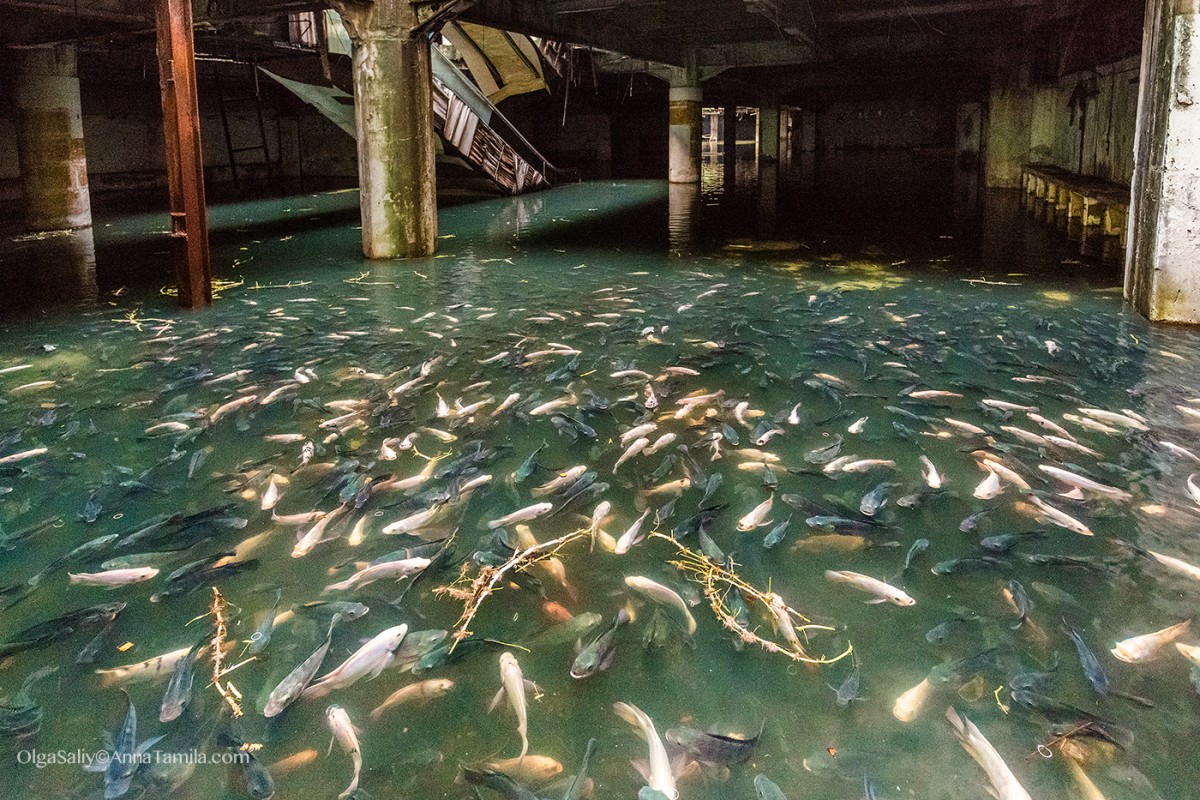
(497, 700)
(876, 601)
(330, 748)
(578, 647)
(530, 686)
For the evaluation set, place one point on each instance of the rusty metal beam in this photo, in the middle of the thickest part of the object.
(185, 165)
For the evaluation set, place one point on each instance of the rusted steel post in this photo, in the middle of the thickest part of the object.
(185, 165)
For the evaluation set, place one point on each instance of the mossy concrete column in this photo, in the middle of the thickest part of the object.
(686, 121)
(394, 120)
(1162, 268)
(49, 125)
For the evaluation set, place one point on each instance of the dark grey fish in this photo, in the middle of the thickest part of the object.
(262, 634)
(825, 454)
(1092, 668)
(918, 547)
(599, 654)
(528, 465)
(972, 522)
(498, 782)
(21, 715)
(777, 534)
(848, 691)
(710, 488)
(940, 633)
(118, 775)
(713, 748)
(766, 789)
(179, 686)
(875, 499)
(1020, 600)
(967, 563)
(575, 790)
(42, 634)
(299, 678)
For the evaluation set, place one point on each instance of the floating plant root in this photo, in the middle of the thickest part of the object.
(472, 592)
(718, 581)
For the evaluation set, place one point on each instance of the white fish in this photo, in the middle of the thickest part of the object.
(757, 516)
(794, 416)
(396, 570)
(508, 401)
(884, 592)
(1004, 405)
(989, 487)
(15, 457)
(113, 578)
(636, 433)
(347, 736)
(631, 536)
(1192, 488)
(929, 472)
(1071, 444)
(554, 405)
(1148, 646)
(369, 660)
(306, 543)
(867, 464)
(521, 515)
(659, 444)
(1190, 652)
(233, 405)
(1049, 425)
(157, 668)
(271, 496)
(909, 705)
(858, 425)
(421, 692)
(1060, 518)
(1113, 418)
(662, 595)
(512, 686)
(965, 427)
(567, 476)
(1176, 564)
(1005, 785)
(660, 777)
(359, 532)
(1086, 484)
(413, 521)
(1180, 451)
(598, 516)
(638, 446)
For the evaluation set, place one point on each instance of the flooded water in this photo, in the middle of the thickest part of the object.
(308, 376)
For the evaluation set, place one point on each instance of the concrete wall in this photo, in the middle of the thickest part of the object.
(1083, 122)
(122, 128)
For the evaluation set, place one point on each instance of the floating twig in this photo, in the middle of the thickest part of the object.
(473, 591)
(718, 581)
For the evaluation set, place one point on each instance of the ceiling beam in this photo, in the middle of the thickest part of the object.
(931, 9)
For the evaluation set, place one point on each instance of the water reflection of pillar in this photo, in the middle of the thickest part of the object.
(683, 204)
(1166, 522)
(55, 270)
(768, 195)
(730, 151)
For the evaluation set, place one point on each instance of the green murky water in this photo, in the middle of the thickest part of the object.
(845, 333)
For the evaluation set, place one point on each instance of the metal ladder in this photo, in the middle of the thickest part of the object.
(224, 101)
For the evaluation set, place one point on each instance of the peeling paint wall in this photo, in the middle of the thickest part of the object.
(1084, 122)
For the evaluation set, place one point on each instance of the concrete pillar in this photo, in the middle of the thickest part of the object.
(1009, 115)
(1162, 268)
(50, 139)
(768, 133)
(686, 113)
(394, 121)
(730, 156)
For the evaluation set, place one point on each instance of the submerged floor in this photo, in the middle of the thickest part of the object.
(900, 346)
